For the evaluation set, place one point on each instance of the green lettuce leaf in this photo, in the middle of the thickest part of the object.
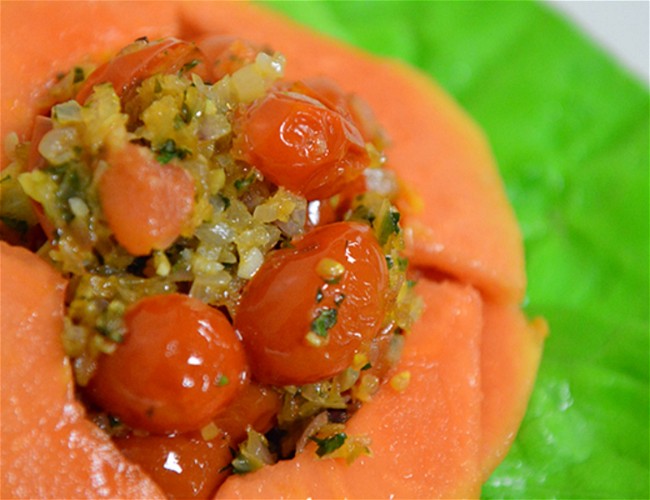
(570, 132)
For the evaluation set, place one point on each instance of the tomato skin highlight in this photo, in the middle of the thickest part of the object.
(289, 296)
(349, 105)
(256, 406)
(184, 465)
(179, 365)
(126, 71)
(146, 204)
(299, 143)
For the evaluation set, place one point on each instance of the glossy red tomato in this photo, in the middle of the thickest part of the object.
(309, 308)
(349, 105)
(179, 365)
(183, 466)
(301, 144)
(188, 466)
(256, 406)
(128, 69)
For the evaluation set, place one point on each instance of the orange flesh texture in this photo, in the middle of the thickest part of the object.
(146, 204)
(49, 449)
(511, 349)
(458, 223)
(438, 457)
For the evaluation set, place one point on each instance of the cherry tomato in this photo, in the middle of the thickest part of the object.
(226, 54)
(310, 308)
(179, 365)
(146, 205)
(256, 406)
(349, 105)
(299, 143)
(184, 466)
(128, 69)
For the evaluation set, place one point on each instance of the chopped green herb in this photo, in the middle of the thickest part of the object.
(319, 295)
(329, 444)
(325, 320)
(241, 184)
(79, 75)
(188, 66)
(389, 225)
(367, 366)
(402, 263)
(221, 381)
(253, 453)
(168, 151)
(389, 261)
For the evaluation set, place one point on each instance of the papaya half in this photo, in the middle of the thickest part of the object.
(472, 355)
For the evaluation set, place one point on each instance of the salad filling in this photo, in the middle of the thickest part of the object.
(237, 288)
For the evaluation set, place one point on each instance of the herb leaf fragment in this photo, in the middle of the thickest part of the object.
(325, 320)
(329, 444)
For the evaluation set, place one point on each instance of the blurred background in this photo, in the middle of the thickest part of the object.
(620, 27)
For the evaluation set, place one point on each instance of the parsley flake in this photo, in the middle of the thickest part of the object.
(389, 225)
(329, 444)
(168, 151)
(78, 75)
(325, 320)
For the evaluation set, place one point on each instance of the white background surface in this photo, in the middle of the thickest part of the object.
(621, 27)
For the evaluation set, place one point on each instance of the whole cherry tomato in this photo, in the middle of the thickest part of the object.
(301, 144)
(349, 105)
(311, 307)
(128, 69)
(179, 365)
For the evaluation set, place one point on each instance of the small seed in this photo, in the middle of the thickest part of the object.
(329, 269)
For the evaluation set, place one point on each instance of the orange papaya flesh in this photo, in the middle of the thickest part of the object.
(425, 439)
(511, 350)
(49, 448)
